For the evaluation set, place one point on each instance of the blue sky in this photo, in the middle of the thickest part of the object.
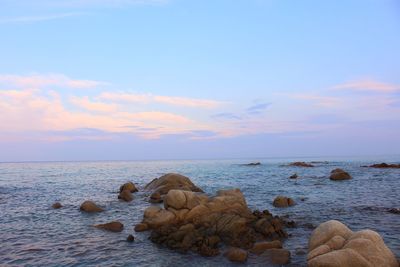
(130, 79)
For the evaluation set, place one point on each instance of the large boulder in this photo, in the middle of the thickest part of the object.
(131, 187)
(114, 226)
(90, 206)
(339, 174)
(161, 186)
(283, 202)
(333, 244)
(301, 164)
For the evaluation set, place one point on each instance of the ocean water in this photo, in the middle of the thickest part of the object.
(34, 234)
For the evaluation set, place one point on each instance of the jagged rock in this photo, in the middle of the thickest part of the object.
(236, 254)
(300, 164)
(332, 244)
(260, 247)
(90, 206)
(283, 202)
(131, 187)
(339, 174)
(114, 226)
(56, 205)
(125, 195)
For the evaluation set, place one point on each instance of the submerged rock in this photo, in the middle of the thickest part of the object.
(114, 226)
(384, 165)
(333, 244)
(294, 176)
(236, 254)
(90, 206)
(125, 195)
(300, 164)
(130, 238)
(131, 187)
(394, 210)
(161, 186)
(283, 202)
(56, 205)
(339, 174)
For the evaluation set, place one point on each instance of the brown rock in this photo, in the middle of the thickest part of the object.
(277, 256)
(131, 187)
(283, 202)
(155, 198)
(300, 164)
(236, 254)
(385, 165)
(125, 195)
(141, 227)
(339, 174)
(90, 206)
(114, 226)
(56, 205)
(260, 247)
(130, 238)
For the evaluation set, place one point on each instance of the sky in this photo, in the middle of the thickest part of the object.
(198, 79)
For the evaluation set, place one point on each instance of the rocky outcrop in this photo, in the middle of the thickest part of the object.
(161, 186)
(90, 206)
(114, 226)
(131, 187)
(333, 244)
(384, 165)
(193, 221)
(125, 195)
(283, 202)
(56, 205)
(339, 174)
(300, 164)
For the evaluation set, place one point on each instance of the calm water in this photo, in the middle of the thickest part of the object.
(34, 234)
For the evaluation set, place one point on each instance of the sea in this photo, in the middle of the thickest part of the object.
(32, 233)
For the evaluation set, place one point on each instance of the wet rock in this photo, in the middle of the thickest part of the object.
(130, 238)
(236, 254)
(90, 206)
(332, 244)
(125, 195)
(394, 210)
(56, 205)
(339, 174)
(384, 165)
(300, 251)
(300, 164)
(131, 187)
(277, 256)
(168, 182)
(283, 202)
(155, 198)
(260, 247)
(141, 227)
(294, 176)
(114, 226)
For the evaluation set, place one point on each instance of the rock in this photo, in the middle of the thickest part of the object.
(300, 164)
(252, 164)
(339, 174)
(125, 195)
(114, 226)
(168, 182)
(90, 206)
(179, 199)
(130, 238)
(332, 244)
(261, 247)
(236, 254)
(56, 205)
(277, 256)
(128, 186)
(294, 176)
(141, 227)
(384, 165)
(283, 202)
(394, 210)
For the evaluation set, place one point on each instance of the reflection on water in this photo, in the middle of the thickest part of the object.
(32, 233)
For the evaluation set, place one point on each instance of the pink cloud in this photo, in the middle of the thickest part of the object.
(85, 103)
(368, 85)
(318, 100)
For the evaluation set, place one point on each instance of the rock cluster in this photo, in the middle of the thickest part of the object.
(339, 174)
(126, 190)
(332, 244)
(300, 164)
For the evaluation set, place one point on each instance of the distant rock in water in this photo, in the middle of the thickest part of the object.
(283, 202)
(128, 186)
(294, 176)
(161, 186)
(90, 206)
(125, 195)
(56, 205)
(394, 210)
(332, 244)
(384, 165)
(339, 174)
(114, 226)
(130, 238)
(300, 164)
(252, 164)
(320, 162)
(192, 221)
